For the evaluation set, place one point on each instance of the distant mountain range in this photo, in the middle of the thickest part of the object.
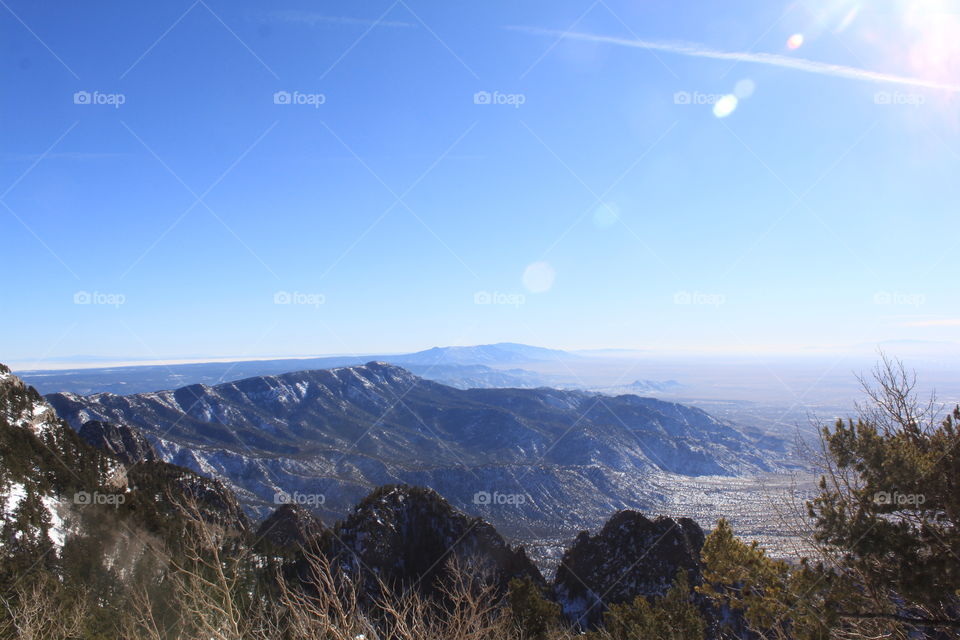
(481, 366)
(528, 460)
(503, 353)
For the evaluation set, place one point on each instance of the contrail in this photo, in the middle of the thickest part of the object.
(772, 59)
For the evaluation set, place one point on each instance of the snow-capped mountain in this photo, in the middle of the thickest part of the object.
(525, 459)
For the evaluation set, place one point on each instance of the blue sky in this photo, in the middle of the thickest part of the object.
(379, 198)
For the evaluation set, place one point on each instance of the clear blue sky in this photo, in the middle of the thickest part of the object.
(821, 211)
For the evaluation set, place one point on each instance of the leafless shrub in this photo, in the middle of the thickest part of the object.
(39, 612)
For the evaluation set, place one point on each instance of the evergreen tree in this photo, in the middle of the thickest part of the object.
(885, 527)
(673, 616)
(533, 615)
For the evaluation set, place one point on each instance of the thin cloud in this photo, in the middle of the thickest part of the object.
(771, 59)
(312, 19)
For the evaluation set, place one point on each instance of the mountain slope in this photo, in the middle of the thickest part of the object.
(521, 458)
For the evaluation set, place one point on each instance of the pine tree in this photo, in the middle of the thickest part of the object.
(533, 615)
(886, 528)
(673, 616)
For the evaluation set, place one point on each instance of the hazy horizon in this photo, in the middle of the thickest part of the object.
(908, 350)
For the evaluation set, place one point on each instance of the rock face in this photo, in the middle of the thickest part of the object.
(122, 441)
(287, 529)
(208, 498)
(407, 535)
(632, 555)
(338, 432)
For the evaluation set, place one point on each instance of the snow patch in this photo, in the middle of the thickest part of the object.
(58, 529)
(15, 495)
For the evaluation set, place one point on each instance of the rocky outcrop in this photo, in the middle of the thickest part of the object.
(408, 535)
(630, 556)
(177, 492)
(287, 529)
(122, 441)
(21, 406)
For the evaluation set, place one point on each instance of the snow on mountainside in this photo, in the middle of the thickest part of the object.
(27, 498)
(525, 459)
(56, 486)
(23, 408)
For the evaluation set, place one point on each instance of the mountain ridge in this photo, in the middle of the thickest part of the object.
(340, 432)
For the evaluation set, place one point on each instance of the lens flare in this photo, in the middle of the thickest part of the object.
(538, 277)
(744, 88)
(606, 215)
(930, 42)
(795, 41)
(725, 106)
(847, 19)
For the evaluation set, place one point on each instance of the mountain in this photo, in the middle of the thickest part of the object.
(528, 460)
(463, 367)
(502, 353)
